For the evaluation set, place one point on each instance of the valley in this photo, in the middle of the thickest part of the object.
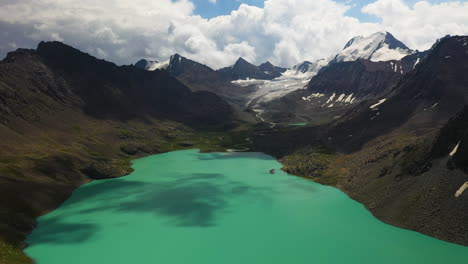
(383, 123)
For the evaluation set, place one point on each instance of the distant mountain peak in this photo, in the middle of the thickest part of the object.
(175, 59)
(302, 67)
(176, 56)
(241, 61)
(145, 64)
(243, 69)
(380, 46)
(266, 64)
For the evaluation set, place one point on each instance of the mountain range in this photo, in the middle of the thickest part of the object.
(394, 113)
(384, 123)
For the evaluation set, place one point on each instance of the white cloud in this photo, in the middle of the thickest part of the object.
(213, 1)
(283, 32)
(419, 26)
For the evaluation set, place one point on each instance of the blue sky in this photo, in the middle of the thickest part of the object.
(207, 9)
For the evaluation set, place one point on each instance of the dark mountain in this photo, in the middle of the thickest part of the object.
(271, 70)
(407, 153)
(339, 87)
(243, 69)
(199, 77)
(362, 78)
(425, 97)
(145, 64)
(367, 67)
(67, 117)
(109, 91)
(403, 154)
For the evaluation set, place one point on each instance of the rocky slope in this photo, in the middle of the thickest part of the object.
(67, 117)
(424, 99)
(403, 155)
(336, 89)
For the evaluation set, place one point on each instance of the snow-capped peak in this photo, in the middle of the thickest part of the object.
(380, 46)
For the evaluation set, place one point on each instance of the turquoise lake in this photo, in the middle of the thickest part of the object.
(223, 208)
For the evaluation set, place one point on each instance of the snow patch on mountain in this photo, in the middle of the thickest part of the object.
(314, 95)
(455, 149)
(331, 98)
(158, 65)
(377, 104)
(386, 54)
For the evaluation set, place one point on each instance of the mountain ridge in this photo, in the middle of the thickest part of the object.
(68, 118)
(242, 70)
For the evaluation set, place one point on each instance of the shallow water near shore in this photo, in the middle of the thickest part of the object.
(195, 208)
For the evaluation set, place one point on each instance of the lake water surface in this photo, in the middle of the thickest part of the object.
(223, 208)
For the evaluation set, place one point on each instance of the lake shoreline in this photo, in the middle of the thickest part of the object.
(293, 190)
(216, 148)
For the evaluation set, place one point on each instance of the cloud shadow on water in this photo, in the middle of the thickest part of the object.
(56, 231)
(193, 200)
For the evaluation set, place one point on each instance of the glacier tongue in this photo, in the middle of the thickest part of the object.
(293, 79)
